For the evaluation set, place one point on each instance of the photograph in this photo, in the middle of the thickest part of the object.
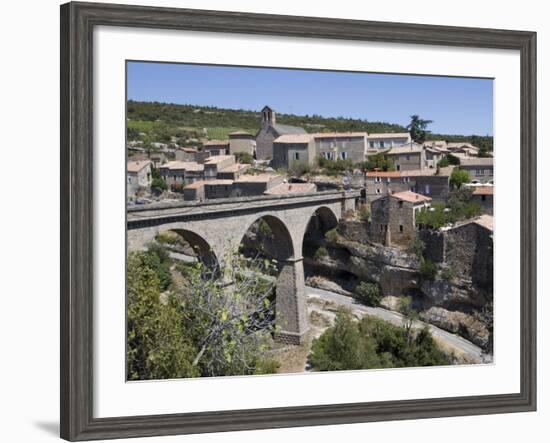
(284, 220)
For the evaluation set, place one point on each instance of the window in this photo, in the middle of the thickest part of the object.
(344, 155)
(426, 189)
(388, 179)
(381, 144)
(479, 172)
(400, 203)
(483, 198)
(371, 144)
(296, 156)
(398, 167)
(381, 228)
(378, 190)
(377, 179)
(407, 157)
(400, 228)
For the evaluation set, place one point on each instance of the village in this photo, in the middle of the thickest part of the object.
(406, 233)
(281, 159)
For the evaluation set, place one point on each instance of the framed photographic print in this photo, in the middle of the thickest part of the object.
(272, 221)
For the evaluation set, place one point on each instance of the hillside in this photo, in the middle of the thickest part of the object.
(161, 121)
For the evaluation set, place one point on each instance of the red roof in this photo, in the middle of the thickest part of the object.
(384, 174)
(484, 190)
(411, 197)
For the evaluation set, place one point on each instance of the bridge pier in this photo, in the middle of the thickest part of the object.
(291, 309)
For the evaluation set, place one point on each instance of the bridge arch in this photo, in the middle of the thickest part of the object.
(200, 246)
(290, 303)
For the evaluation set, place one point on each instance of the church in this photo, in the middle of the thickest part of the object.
(269, 131)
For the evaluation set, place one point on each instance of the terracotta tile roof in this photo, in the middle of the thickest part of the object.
(200, 183)
(218, 159)
(405, 149)
(390, 135)
(384, 174)
(339, 134)
(428, 172)
(290, 188)
(249, 178)
(137, 165)
(211, 143)
(187, 166)
(476, 161)
(411, 197)
(235, 167)
(189, 150)
(294, 138)
(486, 221)
(484, 190)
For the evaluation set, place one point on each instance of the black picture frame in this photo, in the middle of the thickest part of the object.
(77, 23)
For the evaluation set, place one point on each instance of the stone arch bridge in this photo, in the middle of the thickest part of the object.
(216, 227)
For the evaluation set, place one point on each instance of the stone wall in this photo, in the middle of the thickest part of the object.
(435, 244)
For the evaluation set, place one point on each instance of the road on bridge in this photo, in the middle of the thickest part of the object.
(473, 353)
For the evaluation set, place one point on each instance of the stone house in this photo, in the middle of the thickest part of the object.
(216, 147)
(408, 157)
(215, 164)
(249, 185)
(187, 154)
(138, 176)
(434, 183)
(483, 195)
(464, 148)
(233, 172)
(208, 190)
(393, 218)
(241, 141)
(341, 145)
(381, 183)
(269, 131)
(179, 173)
(290, 148)
(432, 157)
(383, 141)
(479, 168)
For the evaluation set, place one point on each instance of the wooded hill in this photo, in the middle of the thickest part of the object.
(160, 121)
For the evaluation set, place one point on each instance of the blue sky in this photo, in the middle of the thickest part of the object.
(456, 105)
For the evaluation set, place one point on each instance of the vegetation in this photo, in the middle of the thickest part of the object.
(459, 177)
(369, 293)
(320, 252)
(199, 328)
(448, 160)
(378, 161)
(334, 167)
(332, 235)
(459, 207)
(428, 269)
(299, 168)
(373, 343)
(244, 157)
(416, 247)
(418, 128)
(158, 184)
(158, 346)
(364, 212)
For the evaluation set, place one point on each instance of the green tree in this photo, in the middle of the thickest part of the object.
(417, 128)
(158, 184)
(459, 177)
(158, 347)
(428, 269)
(229, 310)
(369, 293)
(244, 157)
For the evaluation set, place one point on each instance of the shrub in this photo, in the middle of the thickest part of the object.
(266, 366)
(369, 293)
(459, 177)
(447, 274)
(373, 343)
(416, 246)
(299, 168)
(364, 212)
(244, 157)
(320, 252)
(332, 235)
(428, 270)
(158, 184)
